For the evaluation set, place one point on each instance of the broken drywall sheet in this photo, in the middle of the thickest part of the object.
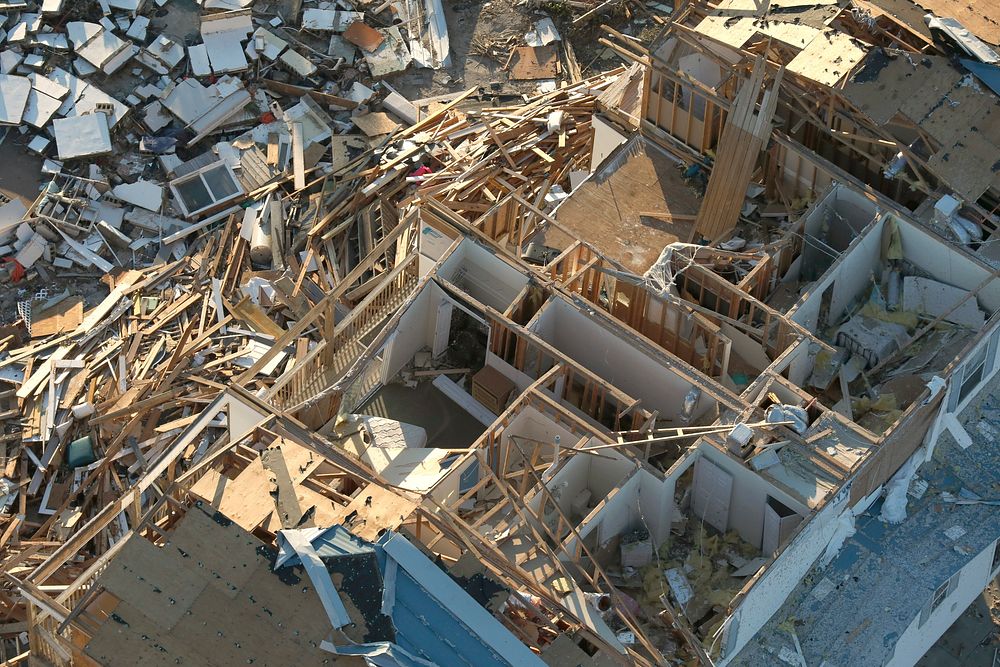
(100, 47)
(391, 55)
(203, 108)
(141, 193)
(935, 299)
(223, 36)
(86, 98)
(267, 44)
(82, 136)
(14, 92)
(330, 20)
(198, 57)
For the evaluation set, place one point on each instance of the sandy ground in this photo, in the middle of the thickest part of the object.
(974, 639)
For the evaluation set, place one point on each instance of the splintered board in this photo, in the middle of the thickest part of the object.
(376, 123)
(63, 316)
(534, 62)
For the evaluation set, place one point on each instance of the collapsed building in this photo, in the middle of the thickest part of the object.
(675, 364)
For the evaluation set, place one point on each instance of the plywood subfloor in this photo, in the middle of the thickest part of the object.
(604, 211)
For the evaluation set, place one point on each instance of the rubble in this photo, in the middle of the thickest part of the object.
(569, 360)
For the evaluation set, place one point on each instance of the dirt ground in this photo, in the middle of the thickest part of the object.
(974, 639)
(483, 34)
(20, 171)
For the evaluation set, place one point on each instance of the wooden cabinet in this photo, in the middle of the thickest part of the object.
(492, 389)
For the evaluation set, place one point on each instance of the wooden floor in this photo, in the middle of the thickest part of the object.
(604, 211)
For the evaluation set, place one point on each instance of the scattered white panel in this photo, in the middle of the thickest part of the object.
(14, 92)
(198, 55)
(82, 136)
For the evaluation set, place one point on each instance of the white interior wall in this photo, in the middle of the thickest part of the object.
(849, 277)
(531, 424)
(947, 264)
(606, 139)
(797, 361)
(614, 515)
(431, 246)
(486, 278)
(856, 269)
(449, 487)
(749, 495)
(615, 360)
(412, 329)
(599, 476)
(839, 216)
(746, 347)
(641, 499)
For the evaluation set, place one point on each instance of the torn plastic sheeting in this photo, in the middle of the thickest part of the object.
(894, 506)
(543, 33)
(430, 46)
(380, 654)
(690, 404)
(300, 542)
(844, 530)
(785, 413)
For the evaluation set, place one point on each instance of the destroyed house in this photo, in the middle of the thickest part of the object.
(690, 362)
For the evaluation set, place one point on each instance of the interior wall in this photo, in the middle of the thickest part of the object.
(746, 347)
(947, 264)
(599, 476)
(530, 423)
(486, 278)
(749, 495)
(617, 361)
(606, 139)
(849, 276)
(643, 499)
(431, 245)
(412, 329)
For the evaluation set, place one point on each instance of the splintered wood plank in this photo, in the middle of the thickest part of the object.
(63, 316)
